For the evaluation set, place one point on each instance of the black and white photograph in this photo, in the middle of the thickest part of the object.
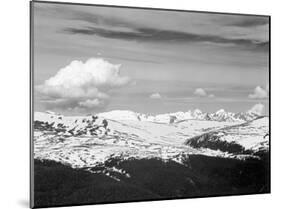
(141, 104)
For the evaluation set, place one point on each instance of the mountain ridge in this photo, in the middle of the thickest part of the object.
(196, 114)
(85, 141)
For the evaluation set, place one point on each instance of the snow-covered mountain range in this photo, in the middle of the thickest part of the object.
(220, 115)
(88, 141)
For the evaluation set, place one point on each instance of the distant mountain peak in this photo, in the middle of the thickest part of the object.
(197, 111)
(220, 111)
(196, 114)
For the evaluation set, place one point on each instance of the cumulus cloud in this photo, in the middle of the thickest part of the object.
(200, 92)
(94, 72)
(257, 109)
(155, 96)
(259, 93)
(90, 103)
(83, 84)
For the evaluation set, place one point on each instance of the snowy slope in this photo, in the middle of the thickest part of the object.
(248, 137)
(87, 141)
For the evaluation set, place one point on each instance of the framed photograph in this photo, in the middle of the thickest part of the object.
(144, 104)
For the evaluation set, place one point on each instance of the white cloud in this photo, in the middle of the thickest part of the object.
(84, 84)
(259, 93)
(94, 72)
(71, 92)
(90, 103)
(257, 109)
(200, 92)
(155, 96)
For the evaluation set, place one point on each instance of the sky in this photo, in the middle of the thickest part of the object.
(90, 59)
